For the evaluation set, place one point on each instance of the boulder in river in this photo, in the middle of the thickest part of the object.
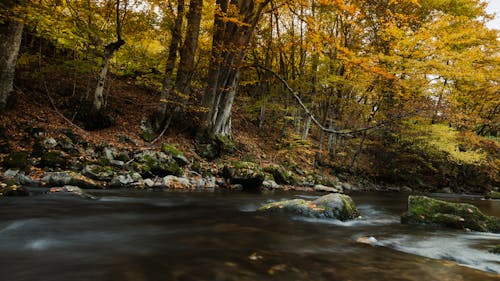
(335, 205)
(425, 210)
(493, 195)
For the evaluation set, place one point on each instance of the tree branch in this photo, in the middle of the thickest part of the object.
(308, 112)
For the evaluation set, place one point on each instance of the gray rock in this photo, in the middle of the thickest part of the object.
(69, 178)
(322, 188)
(346, 186)
(338, 206)
(270, 184)
(177, 182)
(108, 153)
(49, 143)
(116, 163)
(149, 183)
(10, 173)
(25, 180)
(122, 180)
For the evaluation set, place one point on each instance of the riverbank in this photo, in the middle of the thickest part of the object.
(66, 159)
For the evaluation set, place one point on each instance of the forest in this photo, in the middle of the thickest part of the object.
(249, 140)
(385, 92)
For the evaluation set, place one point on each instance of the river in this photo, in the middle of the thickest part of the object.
(135, 236)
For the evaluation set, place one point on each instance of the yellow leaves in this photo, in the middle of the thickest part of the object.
(445, 138)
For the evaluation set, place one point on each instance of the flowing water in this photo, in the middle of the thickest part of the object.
(136, 236)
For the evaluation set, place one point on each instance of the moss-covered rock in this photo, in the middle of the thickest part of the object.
(97, 172)
(16, 160)
(425, 210)
(280, 175)
(248, 174)
(492, 195)
(156, 163)
(337, 206)
(176, 154)
(54, 159)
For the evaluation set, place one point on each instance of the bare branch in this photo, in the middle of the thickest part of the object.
(308, 112)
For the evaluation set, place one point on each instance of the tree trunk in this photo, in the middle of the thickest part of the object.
(158, 121)
(10, 41)
(188, 51)
(98, 101)
(230, 41)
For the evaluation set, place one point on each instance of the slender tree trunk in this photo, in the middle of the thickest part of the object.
(109, 50)
(98, 101)
(158, 121)
(10, 41)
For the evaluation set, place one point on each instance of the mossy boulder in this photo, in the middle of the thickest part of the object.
(97, 172)
(425, 210)
(280, 175)
(492, 195)
(16, 160)
(54, 159)
(336, 206)
(154, 163)
(176, 154)
(247, 174)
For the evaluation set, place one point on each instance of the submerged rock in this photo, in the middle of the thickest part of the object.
(337, 206)
(425, 210)
(73, 190)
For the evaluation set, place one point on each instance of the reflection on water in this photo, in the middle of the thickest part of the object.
(176, 236)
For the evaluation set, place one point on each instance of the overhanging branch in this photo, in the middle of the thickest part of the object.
(309, 113)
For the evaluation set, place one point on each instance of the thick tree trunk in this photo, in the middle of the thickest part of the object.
(188, 51)
(229, 42)
(158, 121)
(10, 41)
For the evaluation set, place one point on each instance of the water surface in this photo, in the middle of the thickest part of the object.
(137, 236)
